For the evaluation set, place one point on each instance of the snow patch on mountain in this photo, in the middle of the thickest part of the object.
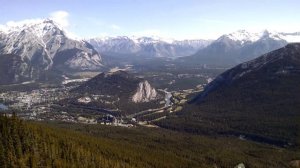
(244, 36)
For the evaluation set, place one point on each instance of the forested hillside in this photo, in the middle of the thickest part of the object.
(31, 144)
(257, 99)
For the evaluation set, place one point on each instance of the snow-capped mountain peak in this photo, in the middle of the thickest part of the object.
(244, 36)
(36, 24)
(39, 27)
(43, 45)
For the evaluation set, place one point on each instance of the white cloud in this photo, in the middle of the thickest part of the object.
(61, 17)
(23, 22)
(115, 27)
(17, 24)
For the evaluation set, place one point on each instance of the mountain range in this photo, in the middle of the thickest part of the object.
(237, 47)
(226, 51)
(43, 47)
(147, 46)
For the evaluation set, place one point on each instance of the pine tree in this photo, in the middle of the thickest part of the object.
(2, 154)
(16, 138)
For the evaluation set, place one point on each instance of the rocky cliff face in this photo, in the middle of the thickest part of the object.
(144, 93)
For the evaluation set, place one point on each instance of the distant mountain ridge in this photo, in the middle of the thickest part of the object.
(228, 50)
(237, 47)
(244, 36)
(147, 46)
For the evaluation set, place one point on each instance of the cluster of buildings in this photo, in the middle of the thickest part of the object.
(38, 105)
(105, 120)
(26, 100)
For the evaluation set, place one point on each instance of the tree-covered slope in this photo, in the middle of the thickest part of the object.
(258, 99)
(30, 144)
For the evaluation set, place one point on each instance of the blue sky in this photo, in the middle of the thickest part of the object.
(179, 19)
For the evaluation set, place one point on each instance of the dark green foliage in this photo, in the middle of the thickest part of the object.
(30, 145)
(27, 144)
(2, 154)
(173, 149)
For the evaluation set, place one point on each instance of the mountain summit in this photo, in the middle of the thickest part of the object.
(43, 45)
